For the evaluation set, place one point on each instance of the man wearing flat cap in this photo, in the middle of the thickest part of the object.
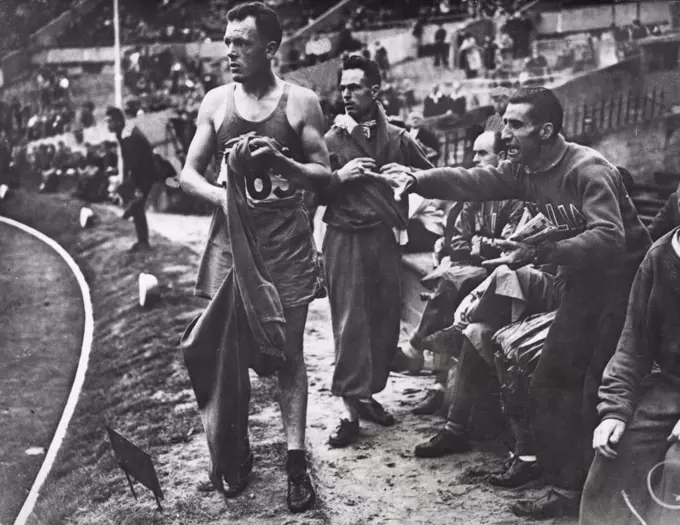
(499, 99)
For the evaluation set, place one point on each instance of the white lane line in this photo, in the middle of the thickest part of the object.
(78, 381)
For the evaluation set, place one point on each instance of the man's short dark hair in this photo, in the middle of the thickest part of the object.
(545, 106)
(499, 144)
(368, 66)
(115, 113)
(266, 20)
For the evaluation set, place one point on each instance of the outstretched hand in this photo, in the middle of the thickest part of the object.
(399, 181)
(513, 253)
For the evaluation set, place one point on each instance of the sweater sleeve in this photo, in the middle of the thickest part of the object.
(664, 221)
(604, 235)
(634, 355)
(476, 184)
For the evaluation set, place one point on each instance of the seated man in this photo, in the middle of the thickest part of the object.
(504, 297)
(476, 229)
(637, 439)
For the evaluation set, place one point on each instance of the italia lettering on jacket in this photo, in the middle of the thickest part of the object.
(566, 217)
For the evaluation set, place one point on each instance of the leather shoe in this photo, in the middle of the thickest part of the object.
(375, 412)
(441, 444)
(518, 473)
(345, 434)
(431, 404)
(301, 495)
(551, 505)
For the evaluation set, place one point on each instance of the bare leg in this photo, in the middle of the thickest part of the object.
(293, 380)
(293, 384)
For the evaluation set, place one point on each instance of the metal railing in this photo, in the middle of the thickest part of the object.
(618, 111)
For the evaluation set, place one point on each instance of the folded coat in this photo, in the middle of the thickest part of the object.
(243, 327)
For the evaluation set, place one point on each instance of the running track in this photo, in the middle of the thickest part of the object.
(44, 318)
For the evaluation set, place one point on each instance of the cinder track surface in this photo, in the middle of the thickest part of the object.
(41, 329)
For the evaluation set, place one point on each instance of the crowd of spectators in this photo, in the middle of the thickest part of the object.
(163, 79)
(51, 112)
(21, 18)
(175, 21)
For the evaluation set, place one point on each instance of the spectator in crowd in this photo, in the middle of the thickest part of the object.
(638, 31)
(441, 48)
(417, 32)
(380, 56)
(425, 137)
(391, 100)
(346, 43)
(506, 46)
(499, 99)
(87, 115)
(566, 57)
(599, 249)
(137, 172)
(458, 102)
(536, 63)
(318, 49)
(471, 56)
(365, 224)
(436, 103)
(489, 51)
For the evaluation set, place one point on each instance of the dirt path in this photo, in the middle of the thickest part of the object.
(378, 481)
(41, 324)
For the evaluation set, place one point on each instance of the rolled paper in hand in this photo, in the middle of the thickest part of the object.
(148, 289)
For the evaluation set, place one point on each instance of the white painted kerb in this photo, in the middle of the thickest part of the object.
(78, 381)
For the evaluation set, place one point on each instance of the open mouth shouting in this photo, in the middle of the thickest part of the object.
(513, 150)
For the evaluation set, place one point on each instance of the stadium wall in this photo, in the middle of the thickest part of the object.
(602, 16)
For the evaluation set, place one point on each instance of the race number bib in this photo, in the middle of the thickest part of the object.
(262, 187)
(268, 187)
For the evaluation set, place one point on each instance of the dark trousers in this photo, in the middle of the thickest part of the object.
(643, 447)
(363, 276)
(137, 210)
(441, 54)
(563, 389)
(475, 380)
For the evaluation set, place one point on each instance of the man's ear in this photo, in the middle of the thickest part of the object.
(375, 91)
(547, 131)
(271, 48)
